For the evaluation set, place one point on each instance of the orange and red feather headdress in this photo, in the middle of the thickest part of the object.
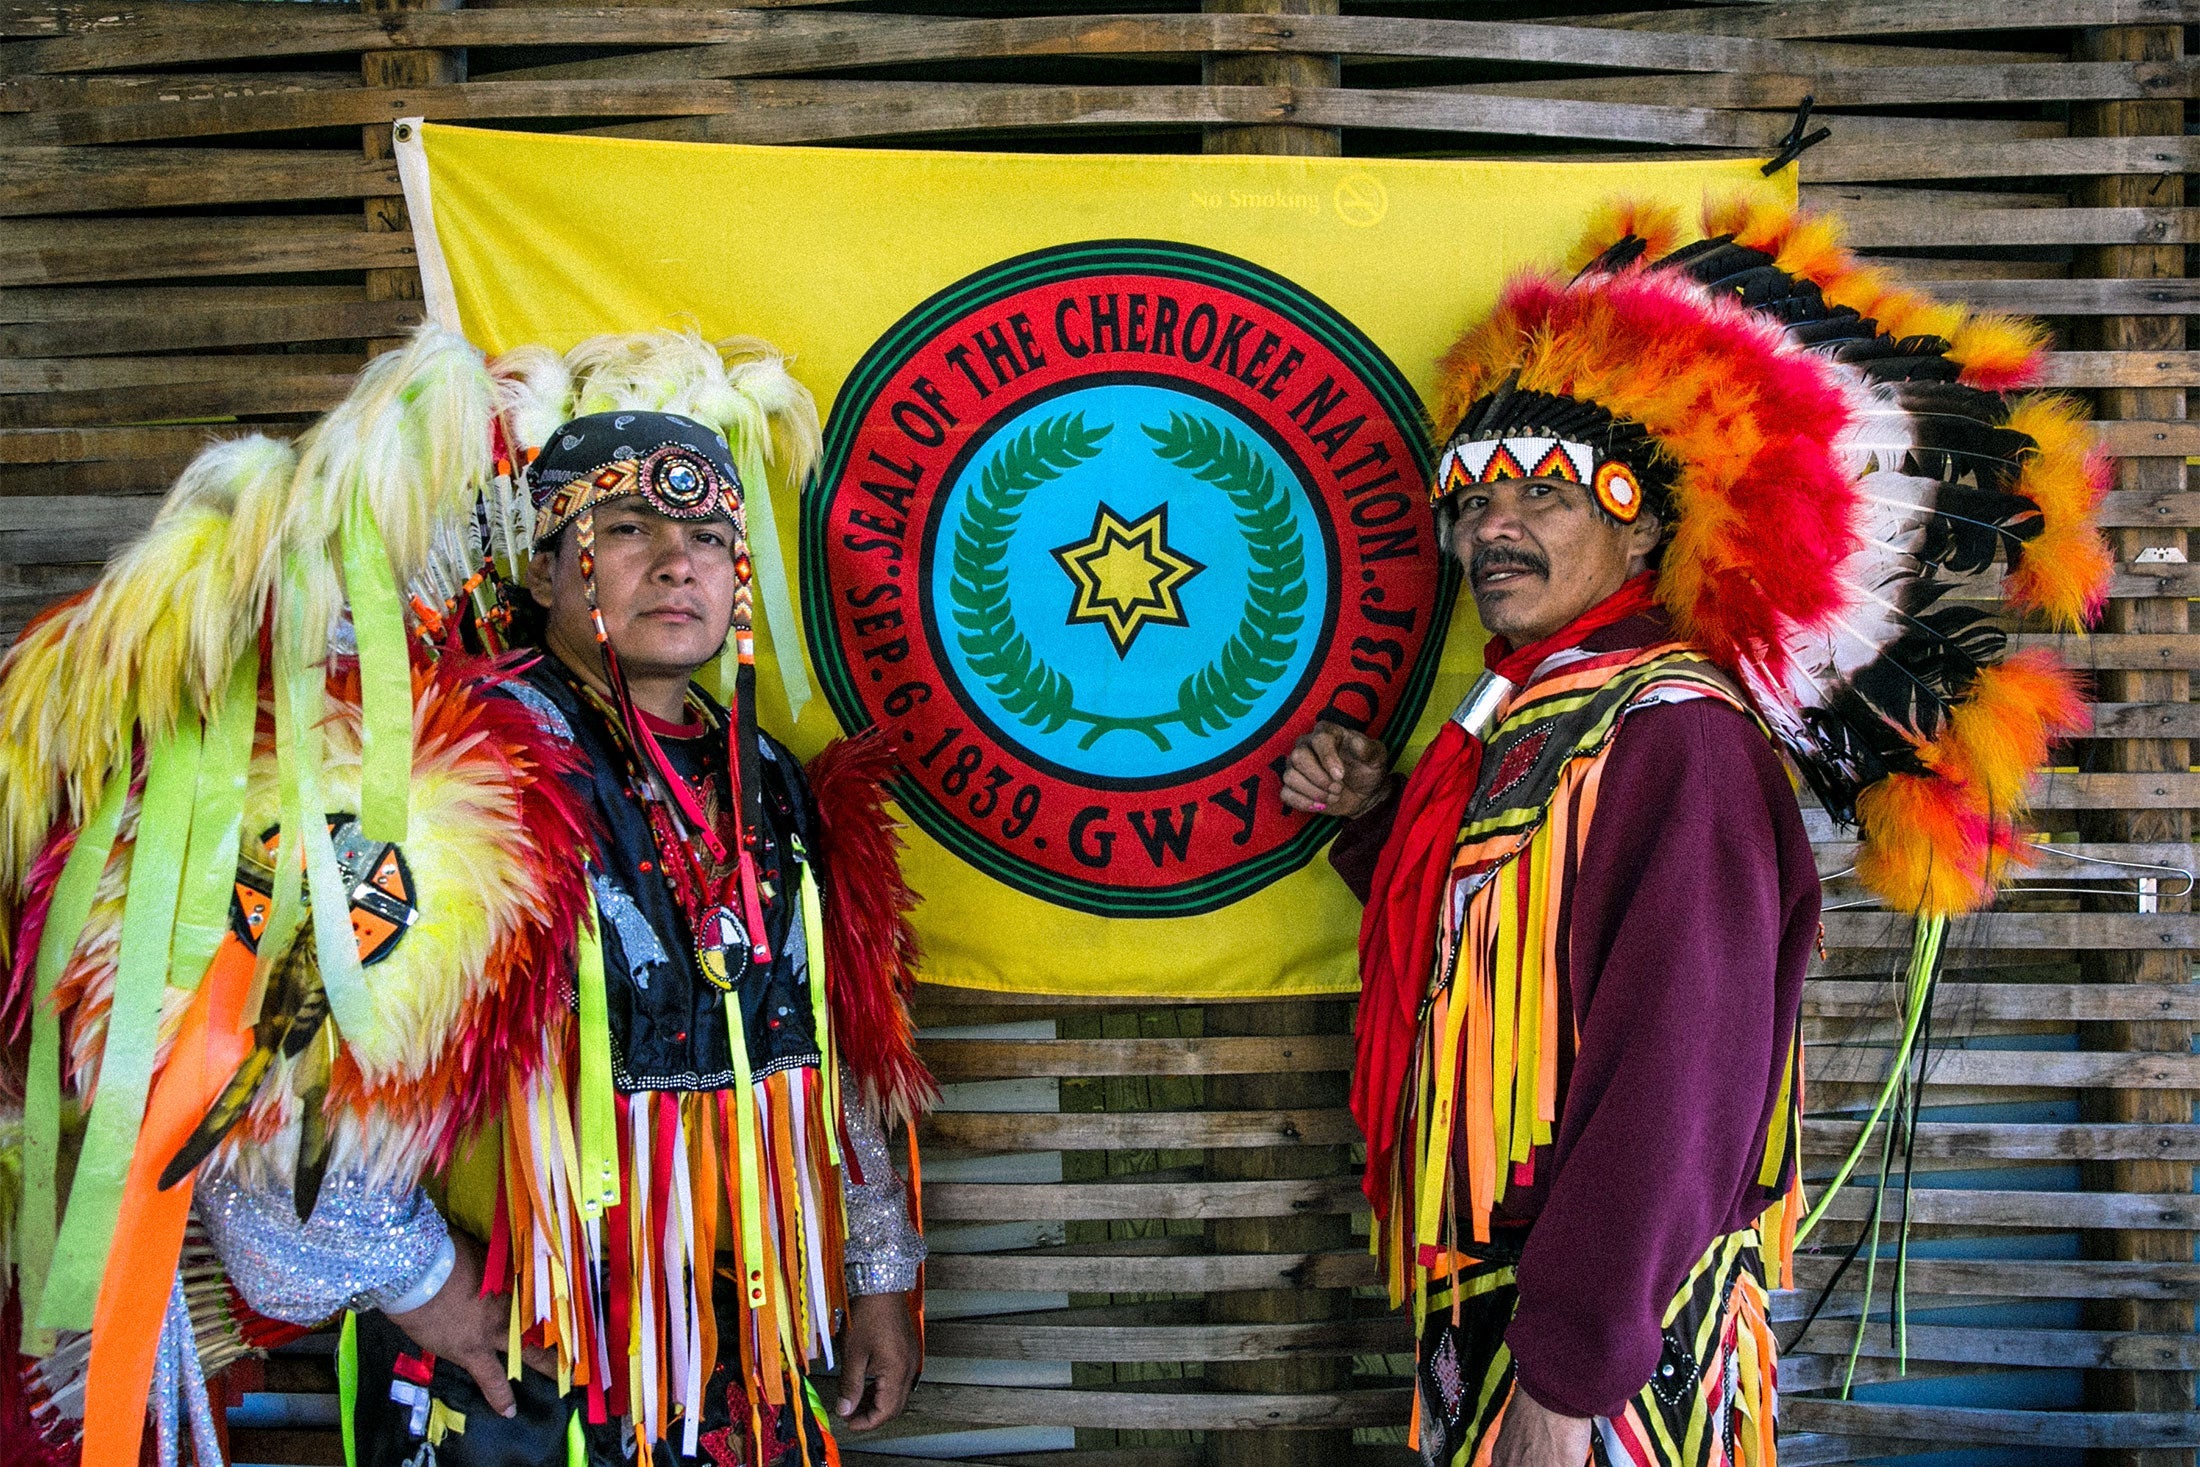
(1852, 478)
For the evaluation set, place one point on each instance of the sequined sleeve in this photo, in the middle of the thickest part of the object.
(364, 1247)
(884, 1247)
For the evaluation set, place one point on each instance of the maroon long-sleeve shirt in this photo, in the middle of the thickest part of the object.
(1694, 914)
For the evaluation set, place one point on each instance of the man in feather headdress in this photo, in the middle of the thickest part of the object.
(1706, 499)
(573, 1048)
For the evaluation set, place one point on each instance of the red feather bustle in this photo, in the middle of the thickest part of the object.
(870, 946)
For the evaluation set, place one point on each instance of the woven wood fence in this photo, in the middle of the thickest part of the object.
(1145, 1216)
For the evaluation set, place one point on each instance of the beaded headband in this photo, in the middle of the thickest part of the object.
(1522, 456)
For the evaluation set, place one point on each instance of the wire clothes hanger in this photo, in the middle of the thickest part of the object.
(2147, 874)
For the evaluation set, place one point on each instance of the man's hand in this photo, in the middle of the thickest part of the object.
(1536, 1436)
(470, 1331)
(878, 1360)
(1334, 771)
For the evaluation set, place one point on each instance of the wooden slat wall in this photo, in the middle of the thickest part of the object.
(200, 234)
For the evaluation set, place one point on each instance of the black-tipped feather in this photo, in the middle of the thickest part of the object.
(1970, 527)
(294, 1011)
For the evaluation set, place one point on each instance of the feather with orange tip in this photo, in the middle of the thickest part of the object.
(1656, 226)
(2000, 734)
(2064, 571)
(1937, 844)
(870, 948)
(1924, 845)
(1999, 353)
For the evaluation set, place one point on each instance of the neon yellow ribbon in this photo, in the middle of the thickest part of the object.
(749, 1147)
(772, 581)
(304, 811)
(287, 906)
(210, 869)
(347, 1385)
(385, 678)
(599, 1107)
(813, 938)
(133, 1030)
(70, 907)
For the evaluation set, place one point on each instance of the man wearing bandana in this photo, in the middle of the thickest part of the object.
(737, 1094)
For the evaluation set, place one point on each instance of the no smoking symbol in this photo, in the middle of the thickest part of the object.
(1361, 200)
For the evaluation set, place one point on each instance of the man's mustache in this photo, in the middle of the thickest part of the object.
(1492, 557)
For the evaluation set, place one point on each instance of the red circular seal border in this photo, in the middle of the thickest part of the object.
(931, 392)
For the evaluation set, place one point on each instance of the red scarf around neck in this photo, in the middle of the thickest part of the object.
(1398, 929)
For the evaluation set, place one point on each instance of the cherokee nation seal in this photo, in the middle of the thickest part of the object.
(1100, 531)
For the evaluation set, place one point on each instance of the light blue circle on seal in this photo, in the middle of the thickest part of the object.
(1177, 587)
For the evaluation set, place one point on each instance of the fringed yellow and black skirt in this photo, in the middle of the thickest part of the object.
(1710, 1402)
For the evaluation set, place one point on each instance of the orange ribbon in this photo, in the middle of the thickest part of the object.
(148, 1241)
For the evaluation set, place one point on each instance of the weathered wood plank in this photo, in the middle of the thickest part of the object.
(137, 476)
(64, 93)
(1839, 1064)
(268, 392)
(1997, 1427)
(78, 303)
(1840, 160)
(2064, 1348)
(1008, 1338)
(154, 249)
(1145, 1273)
(1901, 17)
(1941, 1140)
(1783, 88)
(777, 45)
(1163, 1410)
(2020, 1278)
(1039, 1202)
(2146, 720)
(126, 375)
(2131, 650)
(2052, 1002)
(974, 1059)
(1896, 228)
(2022, 930)
(2121, 370)
(2063, 791)
(1172, 1130)
(199, 331)
(2164, 509)
(823, 111)
(67, 445)
(87, 180)
(779, 41)
(2077, 297)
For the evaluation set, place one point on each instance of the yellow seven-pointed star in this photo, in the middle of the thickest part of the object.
(1126, 575)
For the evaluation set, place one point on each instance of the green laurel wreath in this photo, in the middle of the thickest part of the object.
(1257, 654)
(1038, 695)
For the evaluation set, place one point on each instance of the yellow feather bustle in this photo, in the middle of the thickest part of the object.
(248, 517)
(411, 441)
(163, 626)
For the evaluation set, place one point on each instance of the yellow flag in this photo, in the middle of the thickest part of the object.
(1124, 487)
